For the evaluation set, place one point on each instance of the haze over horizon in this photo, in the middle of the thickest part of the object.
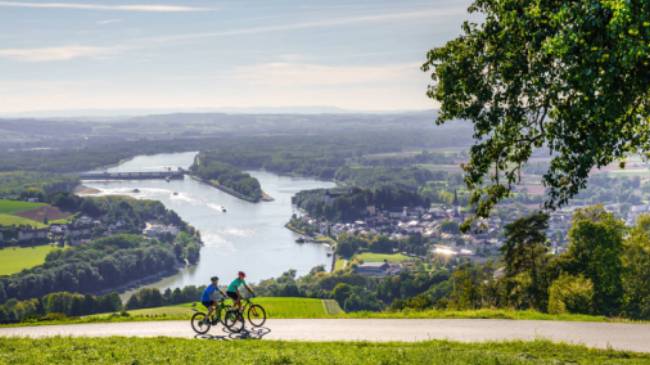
(225, 55)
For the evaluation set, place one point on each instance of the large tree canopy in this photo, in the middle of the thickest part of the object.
(572, 77)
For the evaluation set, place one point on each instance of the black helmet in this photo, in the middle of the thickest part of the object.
(214, 278)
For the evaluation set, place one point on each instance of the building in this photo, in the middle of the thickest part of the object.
(30, 234)
(160, 230)
(378, 269)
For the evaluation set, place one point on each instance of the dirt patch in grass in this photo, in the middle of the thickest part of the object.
(40, 213)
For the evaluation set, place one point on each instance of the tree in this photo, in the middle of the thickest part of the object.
(465, 288)
(3, 294)
(595, 250)
(449, 226)
(525, 254)
(570, 76)
(341, 292)
(636, 270)
(382, 244)
(90, 207)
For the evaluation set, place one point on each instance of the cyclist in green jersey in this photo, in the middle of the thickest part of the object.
(233, 289)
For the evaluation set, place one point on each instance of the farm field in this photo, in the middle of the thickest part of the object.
(41, 213)
(122, 350)
(17, 213)
(15, 259)
(14, 220)
(15, 206)
(276, 307)
(379, 257)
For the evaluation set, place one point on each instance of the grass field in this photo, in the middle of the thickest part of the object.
(276, 307)
(340, 264)
(379, 257)
(485, 314)
(316, 308)
(161, 350)
(15, 206)
(13, 220)
(15, 259)
(17, 213)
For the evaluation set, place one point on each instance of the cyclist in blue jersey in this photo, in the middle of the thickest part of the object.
(210, 296)
(233, 289)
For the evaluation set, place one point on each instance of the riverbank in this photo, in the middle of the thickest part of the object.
(312, 239)
(329, 241)
(83, 190)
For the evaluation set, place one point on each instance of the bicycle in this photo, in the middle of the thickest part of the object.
(255, 313)
(224, 313)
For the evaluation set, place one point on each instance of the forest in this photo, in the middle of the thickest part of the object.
(23, 185)
(207, 167)
(58, 305)
(348, 204)
(102, 265)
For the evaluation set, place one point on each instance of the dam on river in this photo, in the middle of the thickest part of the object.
(143, 175)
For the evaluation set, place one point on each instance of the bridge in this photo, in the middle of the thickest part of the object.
(149, 175)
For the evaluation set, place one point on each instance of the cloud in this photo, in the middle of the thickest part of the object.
(109, 21)
(63, 53)
(329, 22)
(150, 8)
(287, 74)
(72, 52)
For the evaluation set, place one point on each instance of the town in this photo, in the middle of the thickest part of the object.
(437, 228)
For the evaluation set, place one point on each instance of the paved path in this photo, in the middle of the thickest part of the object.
(621, 336)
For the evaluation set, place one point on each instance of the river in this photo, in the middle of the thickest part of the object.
(248, 236)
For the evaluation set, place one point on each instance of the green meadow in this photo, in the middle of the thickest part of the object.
(15, 206)
(15, 259)
(379, 257)
(14, 220)
(161, 350)
(276, 307)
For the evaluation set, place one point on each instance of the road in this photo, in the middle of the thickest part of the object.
(620, 336)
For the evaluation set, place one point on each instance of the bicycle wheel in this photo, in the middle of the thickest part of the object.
(200, 324)
(233, 320)
(256, 315)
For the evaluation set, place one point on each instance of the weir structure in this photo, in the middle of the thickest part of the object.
(145, 175)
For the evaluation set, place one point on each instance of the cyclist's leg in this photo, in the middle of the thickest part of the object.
(238, 301)
(235, 298)
(208, 306)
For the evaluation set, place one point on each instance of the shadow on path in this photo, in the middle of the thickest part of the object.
(246, 334)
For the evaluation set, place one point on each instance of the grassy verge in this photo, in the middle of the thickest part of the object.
(287, 308)
(120, 350)
(276, 307)
(485, 314)
(15, 259)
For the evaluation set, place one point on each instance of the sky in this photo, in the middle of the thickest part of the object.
(353, 55)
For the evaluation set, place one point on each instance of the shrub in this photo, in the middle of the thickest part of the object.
(572, 294)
